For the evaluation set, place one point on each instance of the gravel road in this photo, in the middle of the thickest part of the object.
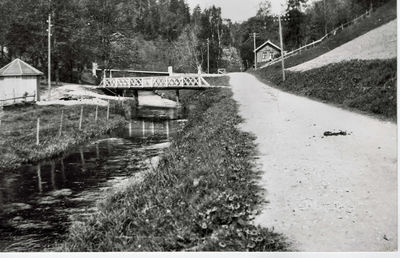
(380, 43)
(336, 193)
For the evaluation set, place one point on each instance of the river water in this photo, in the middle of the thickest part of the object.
(38, 202)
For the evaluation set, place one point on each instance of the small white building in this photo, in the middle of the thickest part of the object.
(19, 82)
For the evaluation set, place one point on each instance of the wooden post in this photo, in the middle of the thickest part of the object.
(39, 175)
(136, 95)
(255, 54)
(108, 110)
(167, 128)
(282, 54)
(37, 131)
(96, 115)
(143, 128)
(49, 57)
(80, 119)
(177, 96)
(61, 123)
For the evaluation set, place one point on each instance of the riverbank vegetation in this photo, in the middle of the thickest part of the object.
(363, 85)
(18, 130)
(202, 197)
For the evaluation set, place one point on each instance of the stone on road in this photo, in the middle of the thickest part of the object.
(336, 193)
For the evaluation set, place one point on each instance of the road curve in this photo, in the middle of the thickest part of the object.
(335, 193)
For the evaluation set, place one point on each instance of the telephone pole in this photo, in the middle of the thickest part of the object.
(282, 57)
(326, 24)
(49, 56)
(208, 56)
(255, 54)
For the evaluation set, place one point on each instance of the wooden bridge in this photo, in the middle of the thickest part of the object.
(156, 83)
(175, 82)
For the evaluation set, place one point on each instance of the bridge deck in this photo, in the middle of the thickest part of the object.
(153, 83)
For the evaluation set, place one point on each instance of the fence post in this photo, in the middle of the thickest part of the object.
(61, 123)
(1, 112)
(108, 110)
(37, 131)
(96, 115)
(80, 119)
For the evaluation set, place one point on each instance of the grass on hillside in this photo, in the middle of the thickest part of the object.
(202, 197)
(364, 85)
(381, 16)
(18, 131)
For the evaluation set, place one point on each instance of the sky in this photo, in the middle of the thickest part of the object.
(236, 10)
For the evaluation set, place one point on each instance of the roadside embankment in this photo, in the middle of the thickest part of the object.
(364, 85)
(18, 130)
(202, 196)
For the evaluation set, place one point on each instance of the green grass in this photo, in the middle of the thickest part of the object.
(381, 16)
(18, 131)
(202, 197)
(363, 85)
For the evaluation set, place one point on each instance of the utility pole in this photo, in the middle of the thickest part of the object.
(282, 57)
(49, 56)
(326, 24)
(208, 56)
(255, 54)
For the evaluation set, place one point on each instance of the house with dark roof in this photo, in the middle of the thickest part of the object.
(268, 51)
(19, 82)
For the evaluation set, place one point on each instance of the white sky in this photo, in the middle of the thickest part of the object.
(236, 10)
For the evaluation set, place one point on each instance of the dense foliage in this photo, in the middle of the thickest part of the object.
(368, 85)
(141, 34)
(154, 34)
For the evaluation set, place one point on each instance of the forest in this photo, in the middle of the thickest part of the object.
(155, 34)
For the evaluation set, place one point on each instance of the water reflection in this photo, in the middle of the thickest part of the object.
(37, 201)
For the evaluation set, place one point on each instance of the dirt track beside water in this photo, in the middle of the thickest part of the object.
(336, 193)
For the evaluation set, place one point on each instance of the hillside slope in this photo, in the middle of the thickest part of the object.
(380, 43)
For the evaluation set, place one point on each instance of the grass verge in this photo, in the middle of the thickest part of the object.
(202, 197)
(364, 85)
(18, 131)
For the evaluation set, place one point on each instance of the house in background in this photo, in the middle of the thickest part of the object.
(267, 52)
(19, 82)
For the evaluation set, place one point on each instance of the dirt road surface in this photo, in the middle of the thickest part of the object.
(335, 193)
(380, 43)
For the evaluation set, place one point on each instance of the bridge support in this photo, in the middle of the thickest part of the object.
(177, 97)
(136, 96)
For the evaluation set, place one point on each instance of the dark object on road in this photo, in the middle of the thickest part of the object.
(328, 133)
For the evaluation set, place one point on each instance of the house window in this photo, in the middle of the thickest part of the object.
(266, 55)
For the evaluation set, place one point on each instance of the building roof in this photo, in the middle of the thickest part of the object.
(19, 68)
(268, 42)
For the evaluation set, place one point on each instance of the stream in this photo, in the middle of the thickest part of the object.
(38, 202)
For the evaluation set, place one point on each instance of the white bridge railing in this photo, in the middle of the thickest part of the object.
(155, 82)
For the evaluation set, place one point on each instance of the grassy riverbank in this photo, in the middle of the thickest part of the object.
(18, 131)
(202, 197)
(363, 85)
